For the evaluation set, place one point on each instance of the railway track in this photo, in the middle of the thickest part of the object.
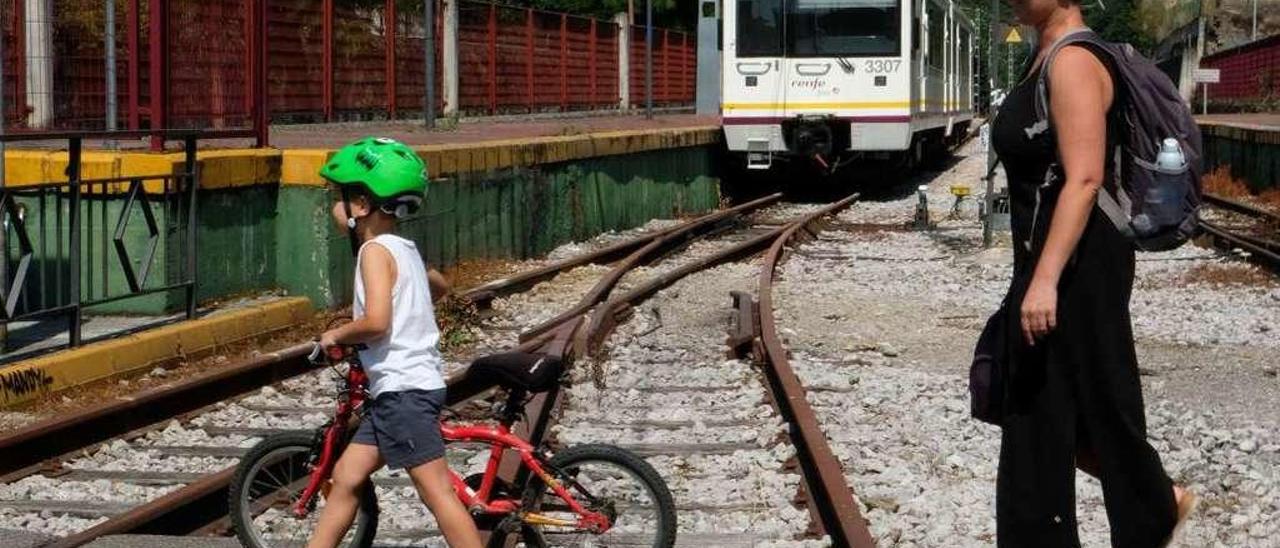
(164, 459)
(1248, 228)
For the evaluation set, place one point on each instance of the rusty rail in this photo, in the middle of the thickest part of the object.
(201, 505)
(566, 327)
(50, 438)
(485, 293)
(824, 478)
(1241, 207)
(1260, 250)
(659, 245)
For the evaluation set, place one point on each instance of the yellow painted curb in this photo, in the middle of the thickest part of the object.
(244, 167)
(219, 168)
(301, 167)
(29, 379)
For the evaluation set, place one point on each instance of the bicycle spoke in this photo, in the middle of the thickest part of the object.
(606, 488)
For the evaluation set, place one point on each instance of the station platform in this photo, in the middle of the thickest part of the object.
(502, 189)
(297, 151)
(1246, 145)
(1260, 121)
(479, 130)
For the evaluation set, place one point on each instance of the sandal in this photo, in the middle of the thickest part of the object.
(1185, 508)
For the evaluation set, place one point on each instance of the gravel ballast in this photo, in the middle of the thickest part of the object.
(881, 324)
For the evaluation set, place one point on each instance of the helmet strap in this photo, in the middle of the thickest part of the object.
(351, 221)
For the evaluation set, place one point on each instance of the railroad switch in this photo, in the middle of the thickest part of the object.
(960, 192)
(921, 221)
(744, 335)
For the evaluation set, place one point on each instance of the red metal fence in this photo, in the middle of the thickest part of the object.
(1248, 72)
(198, 65)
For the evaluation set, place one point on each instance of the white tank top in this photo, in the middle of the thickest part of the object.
(407, 358)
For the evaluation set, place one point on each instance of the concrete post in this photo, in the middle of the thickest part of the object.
(449, 57)
(624, 61)
(429, 40)
(109, 45)
(39, 34)
(1190, 62)
(648, 59)
(708, 89)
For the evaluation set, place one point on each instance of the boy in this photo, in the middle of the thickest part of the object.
(377, 181)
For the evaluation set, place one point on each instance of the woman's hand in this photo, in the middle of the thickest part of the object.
(1039, 310)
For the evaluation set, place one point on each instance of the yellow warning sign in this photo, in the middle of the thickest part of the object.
(1013, 37)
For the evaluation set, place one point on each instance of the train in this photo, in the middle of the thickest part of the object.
(834, 81)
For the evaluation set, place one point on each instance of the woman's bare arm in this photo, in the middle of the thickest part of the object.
(1080, 93)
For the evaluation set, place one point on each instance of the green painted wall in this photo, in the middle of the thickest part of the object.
(236, 235)
(1254, 155)
(513, 214)
(282, 236)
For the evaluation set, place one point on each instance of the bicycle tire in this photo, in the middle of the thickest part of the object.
(365, 526)
(664, 537)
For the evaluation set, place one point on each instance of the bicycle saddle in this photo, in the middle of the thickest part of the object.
(518, 370)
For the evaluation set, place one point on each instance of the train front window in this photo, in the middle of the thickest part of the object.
(832, 28)
(760, 28)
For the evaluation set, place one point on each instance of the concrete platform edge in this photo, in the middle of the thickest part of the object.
(51, 373)
(230, 168)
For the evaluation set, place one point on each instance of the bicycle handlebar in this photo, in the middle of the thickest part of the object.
(319, 354)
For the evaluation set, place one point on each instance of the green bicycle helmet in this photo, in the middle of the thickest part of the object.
(392, 174)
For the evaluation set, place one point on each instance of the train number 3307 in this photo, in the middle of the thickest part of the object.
(882, 66)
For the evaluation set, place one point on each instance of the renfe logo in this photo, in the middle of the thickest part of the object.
(809, 83)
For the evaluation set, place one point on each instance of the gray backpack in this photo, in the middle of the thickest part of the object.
(1157, 192)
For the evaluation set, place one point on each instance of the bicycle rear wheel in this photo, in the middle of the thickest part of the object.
(609, 480)
(269, 480)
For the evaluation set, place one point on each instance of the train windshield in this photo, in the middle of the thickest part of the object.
(832, 28)
(818, 28)
(759, 28)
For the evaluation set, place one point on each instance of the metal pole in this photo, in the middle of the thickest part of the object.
(191, 174)
(109, 43)
(429, 110)
(4, 260)
(1254, 35)
(989, 198)
(73, 228)
(648, 59)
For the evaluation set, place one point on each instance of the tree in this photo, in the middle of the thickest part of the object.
(1119, 22)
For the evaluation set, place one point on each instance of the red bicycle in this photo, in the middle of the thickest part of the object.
(590, 495)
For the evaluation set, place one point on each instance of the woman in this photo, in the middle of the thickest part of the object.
(1073, 398)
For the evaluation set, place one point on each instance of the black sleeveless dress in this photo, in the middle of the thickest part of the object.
(1077, 389)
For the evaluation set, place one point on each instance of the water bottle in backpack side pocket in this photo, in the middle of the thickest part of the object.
(1163, 202)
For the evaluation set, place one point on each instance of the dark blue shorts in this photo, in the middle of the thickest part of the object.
(404, 426)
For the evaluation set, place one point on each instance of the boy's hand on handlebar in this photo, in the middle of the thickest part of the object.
(327, 340)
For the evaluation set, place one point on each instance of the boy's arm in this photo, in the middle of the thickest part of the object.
(439, 285)
(378, 271)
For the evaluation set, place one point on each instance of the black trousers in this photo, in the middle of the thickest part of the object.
(1076, 397)
(1092, 410)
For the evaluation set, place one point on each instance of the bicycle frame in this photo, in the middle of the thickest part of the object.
(353, 395)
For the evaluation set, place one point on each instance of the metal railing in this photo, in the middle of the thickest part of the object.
(243, 64)
(72, 244)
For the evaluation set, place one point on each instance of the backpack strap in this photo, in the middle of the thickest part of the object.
(1117, 207)
(1041, 125)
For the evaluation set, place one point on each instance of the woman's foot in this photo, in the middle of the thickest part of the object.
(1185, 503)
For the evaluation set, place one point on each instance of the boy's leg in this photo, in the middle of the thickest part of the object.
(436, 490)
(358, 461)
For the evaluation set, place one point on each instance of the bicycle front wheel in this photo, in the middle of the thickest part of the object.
(609, 480)
(268, 482)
